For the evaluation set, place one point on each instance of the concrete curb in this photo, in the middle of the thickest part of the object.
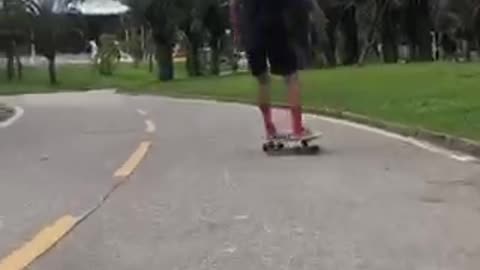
(6, 112)
(446, 141)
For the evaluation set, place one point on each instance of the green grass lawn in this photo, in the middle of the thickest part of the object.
(441, 97)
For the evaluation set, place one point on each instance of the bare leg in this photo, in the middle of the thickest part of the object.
(294, 100)
(264, 103)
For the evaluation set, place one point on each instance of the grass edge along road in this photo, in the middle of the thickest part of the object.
(442, 97)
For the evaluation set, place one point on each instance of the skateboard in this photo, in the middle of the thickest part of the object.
(287, 142)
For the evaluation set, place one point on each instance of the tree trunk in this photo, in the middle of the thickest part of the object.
(326, 48)
(52, 71)
(420, 26)
(193, 64)
(215, 60)
(423, 40)
(10, 61)
(389, 35)
(143, 42)
(19, 64)
(390, 50)
(369, 40)
(164, 55)
(332, 44)
(469, 46)
(19, 68)
(234, 61)
(389, 41)
(150, 62)
(349, 30)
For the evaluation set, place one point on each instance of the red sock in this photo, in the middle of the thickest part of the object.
(297, 124)
(267, 117)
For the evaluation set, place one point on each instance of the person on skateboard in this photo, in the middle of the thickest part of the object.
(261, 28)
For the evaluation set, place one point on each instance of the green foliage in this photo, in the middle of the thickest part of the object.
(16, 14)
(22, 20)
(134, 48)
(138, 9)
(108, 55)
(48, 26)
(200, 20)
(15, 29)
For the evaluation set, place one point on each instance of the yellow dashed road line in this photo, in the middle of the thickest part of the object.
(49, 236)
(41, 243)
(132, 163)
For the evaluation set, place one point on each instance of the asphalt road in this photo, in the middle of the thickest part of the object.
(206, 197)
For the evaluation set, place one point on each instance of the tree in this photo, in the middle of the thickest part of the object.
(456, 21)
(20, 20)
(193, 30)
(14, 31)
(45, 30)
(206, 21)
(362, 23)
(48, 26)
(138, 27)
(192, 21)
(215, 18)
(306, 24)
(165, 17)
(108, 55)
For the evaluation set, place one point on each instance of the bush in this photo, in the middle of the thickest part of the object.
(108, 55)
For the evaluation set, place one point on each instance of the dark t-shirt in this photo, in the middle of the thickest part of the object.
(265, 12)
(258, 16)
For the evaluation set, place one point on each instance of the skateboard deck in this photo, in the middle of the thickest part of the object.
(286, 143)
(287, 137)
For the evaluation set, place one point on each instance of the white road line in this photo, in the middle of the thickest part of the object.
(151, 128)
(141, 112)
(421, 144)
(243, 217)
(19, 112)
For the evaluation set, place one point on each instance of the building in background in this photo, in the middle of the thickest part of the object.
(100, 17)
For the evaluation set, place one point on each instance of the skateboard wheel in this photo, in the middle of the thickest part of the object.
(314, 149)
(265, 147)
(280, 146)
(268, 146)
(304, 143)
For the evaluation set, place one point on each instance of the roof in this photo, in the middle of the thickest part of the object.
(100, 7)
(87, 7)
